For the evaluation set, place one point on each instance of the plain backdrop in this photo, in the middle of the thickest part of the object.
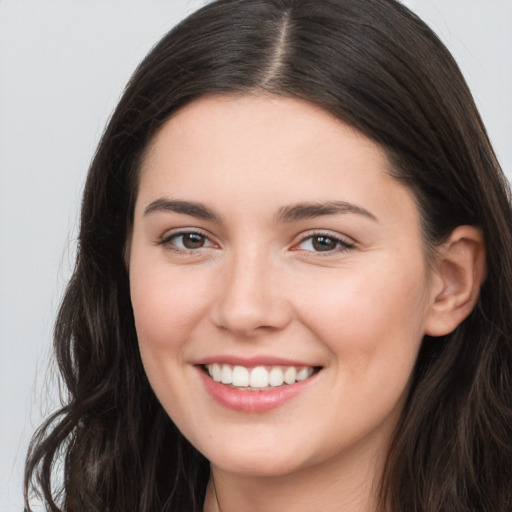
(63, 65)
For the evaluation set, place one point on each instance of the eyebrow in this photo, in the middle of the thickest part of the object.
(286, 214)
(303, 211)
(193, 209)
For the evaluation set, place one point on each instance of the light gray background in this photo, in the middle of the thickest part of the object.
(63, 65)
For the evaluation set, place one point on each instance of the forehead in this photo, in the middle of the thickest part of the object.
(259, 131)
(264, 150)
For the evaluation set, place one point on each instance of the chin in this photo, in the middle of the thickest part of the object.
(260, 467)
(257, 460)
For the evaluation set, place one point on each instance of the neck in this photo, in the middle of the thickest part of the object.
(348, 485)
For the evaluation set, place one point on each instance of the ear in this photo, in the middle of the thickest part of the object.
(459, 272)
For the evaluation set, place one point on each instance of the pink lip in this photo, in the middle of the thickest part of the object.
(252, 401)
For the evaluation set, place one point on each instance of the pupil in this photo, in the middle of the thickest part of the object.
(193, 241)
(323, 243)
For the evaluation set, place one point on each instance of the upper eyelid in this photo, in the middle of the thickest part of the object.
(344, 239)
(328, 233)
(168, 235)
(343, 246)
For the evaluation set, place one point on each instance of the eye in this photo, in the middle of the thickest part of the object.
(190, 240)
(323, 242)
(186, 241)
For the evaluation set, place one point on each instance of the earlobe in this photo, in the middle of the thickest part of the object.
(460, 270)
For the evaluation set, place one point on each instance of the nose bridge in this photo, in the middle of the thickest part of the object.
(251, 299)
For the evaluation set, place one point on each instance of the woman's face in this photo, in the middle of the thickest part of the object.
(271, 245)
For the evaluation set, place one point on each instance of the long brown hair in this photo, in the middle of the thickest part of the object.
(380, 69)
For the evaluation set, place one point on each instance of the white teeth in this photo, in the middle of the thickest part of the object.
(290, 375)
(240, 376)
(216, 372)
(304, 373)
(275, 377)
(227, 374)
(259, 377)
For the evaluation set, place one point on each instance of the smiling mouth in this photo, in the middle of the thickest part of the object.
(258, 378)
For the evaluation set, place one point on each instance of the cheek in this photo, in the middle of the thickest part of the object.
(369, 319)
(167, 306)
(167, 309)
(373, 327)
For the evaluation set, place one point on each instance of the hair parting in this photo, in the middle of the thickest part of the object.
(377, 67)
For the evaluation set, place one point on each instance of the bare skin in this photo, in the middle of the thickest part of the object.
(265, 229)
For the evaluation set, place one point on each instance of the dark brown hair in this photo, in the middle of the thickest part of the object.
(377, 67)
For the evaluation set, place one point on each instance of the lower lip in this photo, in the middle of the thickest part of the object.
(253, 401)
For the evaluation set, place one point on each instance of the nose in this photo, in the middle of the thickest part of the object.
(251, 299)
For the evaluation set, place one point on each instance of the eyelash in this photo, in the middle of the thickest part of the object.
(167, 241)
(341, 244)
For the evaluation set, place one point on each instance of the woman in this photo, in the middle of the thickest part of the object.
(294, 276)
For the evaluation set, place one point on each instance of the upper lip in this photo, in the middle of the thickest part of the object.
(253, 361)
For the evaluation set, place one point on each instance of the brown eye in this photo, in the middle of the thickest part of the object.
(324, 243)
(186, 241)
(193, 240)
